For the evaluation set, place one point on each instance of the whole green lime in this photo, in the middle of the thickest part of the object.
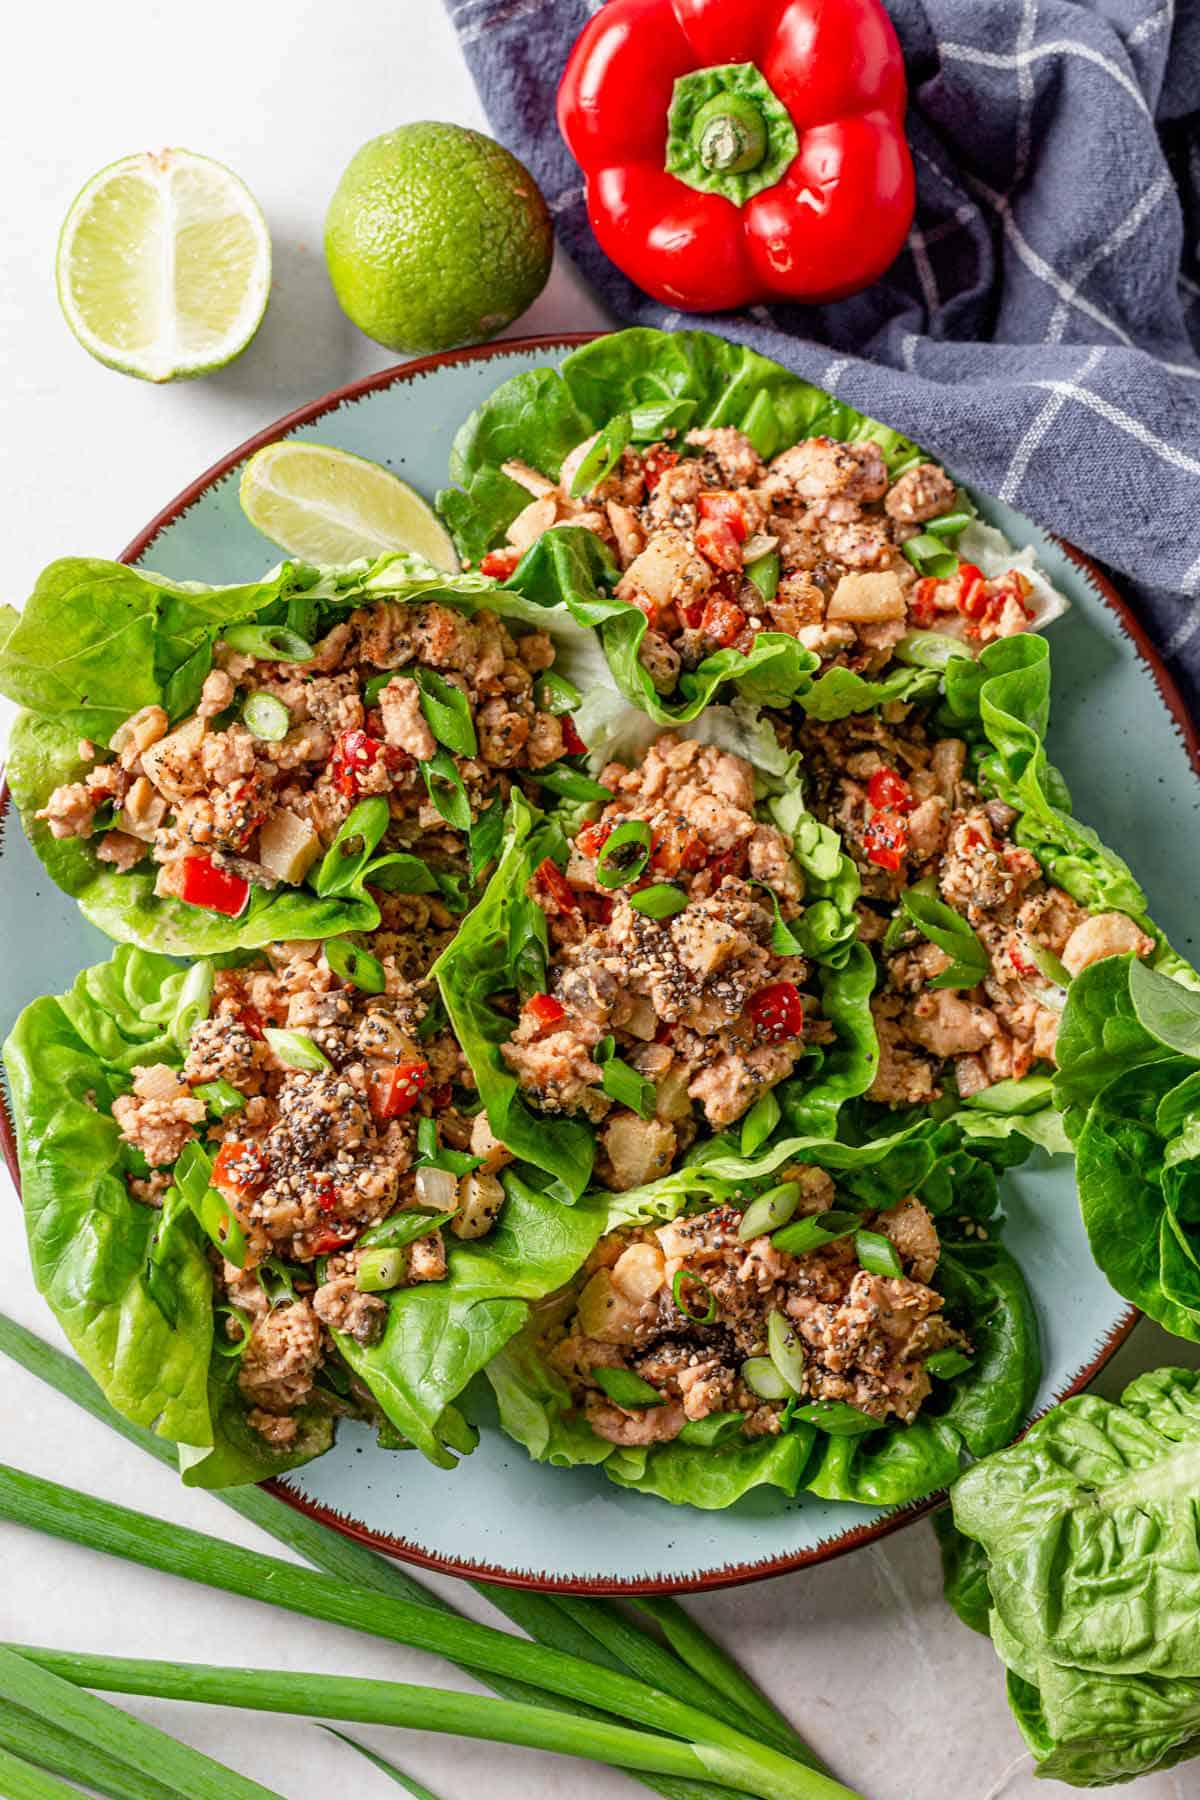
(436, 236)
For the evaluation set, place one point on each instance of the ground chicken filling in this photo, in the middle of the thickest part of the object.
(861, 1338)
(219, 805)
(906, 813)
(314, 1157)
(821, 526)
(696, 1003)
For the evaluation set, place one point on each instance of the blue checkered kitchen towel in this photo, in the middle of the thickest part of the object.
(1041, 331)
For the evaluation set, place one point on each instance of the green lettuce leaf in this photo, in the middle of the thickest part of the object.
(97, 640)
(1088, 1528)
(964, 1573)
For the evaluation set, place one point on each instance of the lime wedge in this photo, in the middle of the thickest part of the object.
(164, 265)
(327, 506)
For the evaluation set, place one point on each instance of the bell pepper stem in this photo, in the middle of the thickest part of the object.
(730, 134)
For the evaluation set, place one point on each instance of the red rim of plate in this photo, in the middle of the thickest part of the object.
(734, 1574)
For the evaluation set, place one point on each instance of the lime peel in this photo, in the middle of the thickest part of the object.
(164, 265)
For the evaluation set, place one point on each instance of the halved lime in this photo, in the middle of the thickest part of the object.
(164, 265)
(327, 506)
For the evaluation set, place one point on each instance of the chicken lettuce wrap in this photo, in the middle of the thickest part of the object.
(259, 1196)
(824, 1316)
(671, 964)
(209, 769)
(744, 530)
(982, 898)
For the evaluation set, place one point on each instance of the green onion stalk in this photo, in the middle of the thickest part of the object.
(370, 1702)
(538, 1615)
(729, 1754)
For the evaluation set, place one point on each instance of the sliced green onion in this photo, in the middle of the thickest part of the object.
(303, 615)
(277, 1280)
(193, 1168)
(555, 694)
(269, 643)
(837, 1418)
(568, 783)
(379, 1270)
(929, 649)
(819, 1228)
(649, 422)
(784, 941)
(447, 712)
(402, 1229)
(787, 1352)
(930, 556)
(716, 1429)
(763, 1378)
(947, 1363)
(951, 933)
(603, 456)
(661, 901)
(949, 524)
(877, 1254)
(447, 789)
(195, 999)
(295, 1049)
(684, 1278)
(1048, 964)
(219, 1225)
(220, 1097)
(626, 1389)
(759, 1123)
(427, 1137)
(375, 684)
(347, 857)
(624, 854)
(767, 1212)
(487, 834)
(764, 573)
(223, 1344)
(355, 965)
(265, 716)
(623, 1083)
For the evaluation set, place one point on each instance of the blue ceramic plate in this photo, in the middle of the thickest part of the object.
(1123, 740)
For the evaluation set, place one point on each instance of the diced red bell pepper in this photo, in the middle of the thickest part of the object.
(885, 840)
(397, 1090)
(719, 545)
(592, 839)
(499, 564)
(922, 608)
(677, 849)
(544, 1010)
(722, 621)
(204, 884)
(354, 752)
(777, 1011)
(726, 508)
(657, 460)
(887, 790)
(573, 744)
(331, 1240)
(250, 1022)
(1020, 961)
(240, 1169)
(652, 610)
(327, 1198)
(549, 876)
(972, 599)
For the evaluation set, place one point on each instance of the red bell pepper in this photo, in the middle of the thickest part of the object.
(741, 150)
(204, 884)
(396, 1091)
(888, 791)
(777, 1011)
(544, 1010)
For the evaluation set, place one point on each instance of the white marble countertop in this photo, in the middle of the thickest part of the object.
(864, 1654)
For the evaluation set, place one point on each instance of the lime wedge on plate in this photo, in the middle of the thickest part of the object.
(327, 506)
(164, 265)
